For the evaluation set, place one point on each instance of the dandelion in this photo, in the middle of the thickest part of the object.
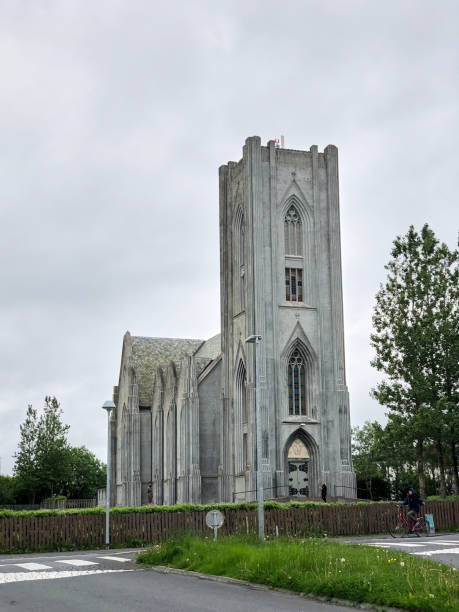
(343, 559)
(402, 563)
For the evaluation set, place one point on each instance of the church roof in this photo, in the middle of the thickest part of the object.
(211, 348)
(207, 353)
(150, 353)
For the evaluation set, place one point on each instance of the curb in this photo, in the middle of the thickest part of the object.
(162, 569)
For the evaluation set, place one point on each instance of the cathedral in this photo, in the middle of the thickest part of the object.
(185, 409)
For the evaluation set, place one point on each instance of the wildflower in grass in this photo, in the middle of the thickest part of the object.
(343, 559)
(402, 563)
(431, 595)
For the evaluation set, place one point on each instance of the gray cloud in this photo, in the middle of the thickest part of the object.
(115, 117)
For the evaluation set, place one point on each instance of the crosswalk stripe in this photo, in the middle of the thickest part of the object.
(76, 562)
(29, 576)
(442, 551)
(120, 559)
(396, 544)
(32, 566)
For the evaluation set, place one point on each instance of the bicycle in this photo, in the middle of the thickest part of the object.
(402, 529)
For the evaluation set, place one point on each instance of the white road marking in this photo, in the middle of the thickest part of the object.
(389, 544)
(27, 576)
(76, 562)
(120, 559)
(445, 542)
(377, 545)
(32, 566)
(442, 551)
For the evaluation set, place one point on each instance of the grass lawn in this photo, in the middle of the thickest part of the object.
(318, 567)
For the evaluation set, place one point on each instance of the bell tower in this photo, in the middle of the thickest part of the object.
(280, 268)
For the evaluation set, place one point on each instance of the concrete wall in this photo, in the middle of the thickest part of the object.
(209, 433)
(145, 451)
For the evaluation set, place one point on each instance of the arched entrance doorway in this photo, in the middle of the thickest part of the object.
(298, 468)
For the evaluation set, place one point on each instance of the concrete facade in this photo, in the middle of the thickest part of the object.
(185, 417)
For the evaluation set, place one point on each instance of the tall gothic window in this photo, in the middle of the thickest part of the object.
(296, 384)
(242, 263)
(241, 389)
(245, 451)
(239, 261)
(241, 416)
(293, 232)
(293, 244)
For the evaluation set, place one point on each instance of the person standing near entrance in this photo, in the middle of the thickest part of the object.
(150, 493)
(324, 492)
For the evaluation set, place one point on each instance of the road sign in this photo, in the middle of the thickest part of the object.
(214, 520)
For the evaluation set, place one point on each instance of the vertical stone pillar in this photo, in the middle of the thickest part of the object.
(331, 158)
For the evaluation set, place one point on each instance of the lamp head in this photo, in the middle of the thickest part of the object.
(108, 405)
(253, 338)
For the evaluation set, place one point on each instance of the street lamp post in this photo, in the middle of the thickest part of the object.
(108, 406)
(255, 339)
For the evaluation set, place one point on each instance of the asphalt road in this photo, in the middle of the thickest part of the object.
(440, 547)
(99, 582)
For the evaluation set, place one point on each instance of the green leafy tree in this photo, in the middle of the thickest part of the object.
(25, 467)
(368, 462)
(414, 319)
(8, 491)
(53, 450)
(42, 462)
(87, 474)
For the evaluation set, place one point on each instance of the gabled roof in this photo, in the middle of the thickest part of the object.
(148, 354)
(210, 348)
(208, 352)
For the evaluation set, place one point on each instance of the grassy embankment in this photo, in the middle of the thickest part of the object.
(319, 567)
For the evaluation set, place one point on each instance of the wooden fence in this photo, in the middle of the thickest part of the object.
(87, 530)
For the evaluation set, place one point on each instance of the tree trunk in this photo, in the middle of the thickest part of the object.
(420, 465)
(455, 470)
(441, 465)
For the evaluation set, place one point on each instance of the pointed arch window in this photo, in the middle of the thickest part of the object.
(241, 387)
(242, 263)
(241, 417)
(294, 261)
(239, 261)
(296, 384)
(293, 232)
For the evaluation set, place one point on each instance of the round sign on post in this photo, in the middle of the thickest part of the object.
(214, 520)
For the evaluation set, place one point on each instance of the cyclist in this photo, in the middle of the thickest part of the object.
(414, 502)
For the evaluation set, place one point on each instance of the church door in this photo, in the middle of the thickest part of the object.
(298, 469)
(298, 478)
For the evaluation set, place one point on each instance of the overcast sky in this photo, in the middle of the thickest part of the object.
(115, 116)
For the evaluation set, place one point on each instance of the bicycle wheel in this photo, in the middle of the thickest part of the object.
(399, 531)
(420, 528)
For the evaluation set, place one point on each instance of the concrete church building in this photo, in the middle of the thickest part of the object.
(185, 409)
